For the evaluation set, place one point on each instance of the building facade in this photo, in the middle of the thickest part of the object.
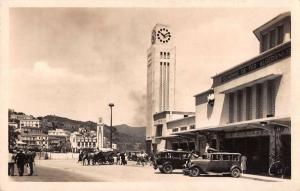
(30, 123)
(59, 132)
(170, 122)
(161, 66)
(246, 110)
(80, 142)
(34, 138)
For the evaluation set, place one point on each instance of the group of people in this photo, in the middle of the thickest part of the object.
(141, 158)
(22, 159)
(119, 158)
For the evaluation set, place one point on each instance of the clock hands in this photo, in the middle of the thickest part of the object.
(166, 34)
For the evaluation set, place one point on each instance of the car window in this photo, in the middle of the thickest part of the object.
(227, 157)
(214, 157)
(176, 155)
(185, 155)
(235, 157)
(168, 155)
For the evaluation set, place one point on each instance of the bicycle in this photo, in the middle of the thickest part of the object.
(278, 168)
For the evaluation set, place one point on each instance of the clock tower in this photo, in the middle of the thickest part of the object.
(161, 65)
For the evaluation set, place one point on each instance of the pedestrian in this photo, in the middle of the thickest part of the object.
(20, 159)
(243, 164)
(118, 158)
(138, 158)
(194, 155)
(80, 157)
(30, 160)
(143, 158)
(209, 149)
(11, 163)
(123, 159)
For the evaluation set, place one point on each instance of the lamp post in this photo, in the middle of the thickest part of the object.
(111, 105)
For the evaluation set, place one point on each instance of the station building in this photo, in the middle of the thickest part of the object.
(247, 108)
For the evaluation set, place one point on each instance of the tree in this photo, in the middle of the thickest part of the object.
(12, 137)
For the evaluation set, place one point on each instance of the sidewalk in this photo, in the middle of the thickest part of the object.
(264, 178)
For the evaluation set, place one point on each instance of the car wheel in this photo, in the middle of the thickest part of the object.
(195, 172)
(235, 172)
(167, 168)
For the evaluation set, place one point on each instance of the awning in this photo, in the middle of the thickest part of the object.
(263, 123)
(168, 137)
(251, 83)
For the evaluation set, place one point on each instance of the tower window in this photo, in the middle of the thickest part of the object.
(165, 55)
(264, 42)
(161, 54)
(272, 38)
(280, 34)
(168, 55)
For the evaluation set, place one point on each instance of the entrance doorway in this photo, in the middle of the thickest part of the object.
(256, 149)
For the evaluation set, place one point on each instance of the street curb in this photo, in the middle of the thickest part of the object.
(263, 178)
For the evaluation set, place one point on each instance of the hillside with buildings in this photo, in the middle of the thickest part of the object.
(126, 137)
(55, 132)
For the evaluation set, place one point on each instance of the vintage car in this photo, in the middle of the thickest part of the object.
(167, 161)
(215, 163)
(132, 155)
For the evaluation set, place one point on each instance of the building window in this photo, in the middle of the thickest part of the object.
(280, 34)
(159, 130)
(192, 127)
(183, 128)
(272, 38)
(175, 130)
(264, 42)
(231, 108)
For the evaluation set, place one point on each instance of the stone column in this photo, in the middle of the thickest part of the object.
(197, 145)
(253, 105)
(265, 98)
(235, 107)
(244, 104)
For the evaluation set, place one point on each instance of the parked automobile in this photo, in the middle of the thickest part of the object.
(132, 155)
(215, 163)
(167, 161)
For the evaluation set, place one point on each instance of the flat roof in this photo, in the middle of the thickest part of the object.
(270, 22)
(205, 92)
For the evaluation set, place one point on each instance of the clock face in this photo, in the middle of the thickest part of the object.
(163, 35)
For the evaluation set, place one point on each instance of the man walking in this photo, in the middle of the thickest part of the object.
(30, 160)
(20, 159)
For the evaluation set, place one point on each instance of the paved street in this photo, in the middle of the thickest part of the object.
(71, 171)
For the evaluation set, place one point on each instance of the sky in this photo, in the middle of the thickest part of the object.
(73, 62)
